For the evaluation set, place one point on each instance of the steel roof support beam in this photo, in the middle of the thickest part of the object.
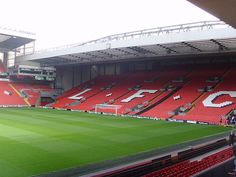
(141, 50)
(191, 46)
(56, 63)
(53, 61)
(93, 56)
(126, 52)
(221, 46)
(76, 57)
(107, 54)
(168, 50)
(79, 59)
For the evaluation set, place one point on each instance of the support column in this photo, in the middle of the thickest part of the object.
(5, 60)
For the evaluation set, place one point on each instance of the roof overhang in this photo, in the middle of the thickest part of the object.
(223, 9)
(200, 38)
(11, 39)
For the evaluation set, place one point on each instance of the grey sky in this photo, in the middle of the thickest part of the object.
(59, 22)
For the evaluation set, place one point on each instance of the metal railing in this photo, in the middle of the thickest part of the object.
(10, 30)
(188, 27)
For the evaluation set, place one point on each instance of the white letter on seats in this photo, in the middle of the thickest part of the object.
(138, 94)
(76, 97)
(208, 102)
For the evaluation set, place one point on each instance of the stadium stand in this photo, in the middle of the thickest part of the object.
(30, 92)
(82, 93)
(160, 82)
(209, 114)
(189, 93)
(201, 159)
(18, 94)
(189, 168)
(171, 92)
(9, 95)
(119, 88)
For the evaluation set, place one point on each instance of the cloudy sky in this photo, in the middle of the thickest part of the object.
(60, 22)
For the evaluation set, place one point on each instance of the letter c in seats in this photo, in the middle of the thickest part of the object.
(208, 102)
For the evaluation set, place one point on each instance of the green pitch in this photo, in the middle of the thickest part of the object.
(37, 141)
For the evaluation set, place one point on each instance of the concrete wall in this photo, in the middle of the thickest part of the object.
(135, 66)
(64, 78)
(94, 71)
(76, 75)
(85, 73)
(71, 76)
(108, 69)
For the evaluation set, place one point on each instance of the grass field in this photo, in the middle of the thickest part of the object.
(36, 141)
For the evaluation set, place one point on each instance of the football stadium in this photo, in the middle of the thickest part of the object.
(154, 102)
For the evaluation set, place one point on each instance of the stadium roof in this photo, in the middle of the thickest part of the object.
(201, 38)
(11, 39)
(223, 9)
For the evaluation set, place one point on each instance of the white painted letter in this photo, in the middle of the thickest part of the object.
(77, 96)
(138, 94)
(208, 102)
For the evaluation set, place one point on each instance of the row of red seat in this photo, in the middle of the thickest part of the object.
(215, 114)
(32, 91)
(8, 96)
(114, 89)
(189, 93)
(187, 168)
(121, 89)
(11, 93)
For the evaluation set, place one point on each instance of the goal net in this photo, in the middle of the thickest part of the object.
(100, 107)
